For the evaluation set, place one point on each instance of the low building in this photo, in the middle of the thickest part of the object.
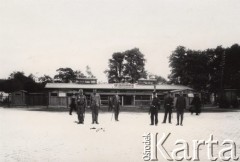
(138, 94)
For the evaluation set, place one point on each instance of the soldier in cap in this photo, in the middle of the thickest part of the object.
(95, 105)
(81, 106)
(168, 104)
(155, 105)
(116, 106)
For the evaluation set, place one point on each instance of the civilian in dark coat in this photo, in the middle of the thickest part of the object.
(168, 104)
(73, 104)
(110, 103)
(180, 106)
(196, 102)
(116, 106)
(155, 105)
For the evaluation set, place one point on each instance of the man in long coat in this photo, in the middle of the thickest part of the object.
(72, 104)
(196, 102)
(180, 106)
(155, 105)
(116, 106)
(168, 104)
(81, 106)
(95, 105)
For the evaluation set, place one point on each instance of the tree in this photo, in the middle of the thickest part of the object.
(116, 67)
(189, 68)
(89, 72)
(65, 75)
(45, 79)
(79, 74)
(160, 79)
(18, 81)
(134, 65)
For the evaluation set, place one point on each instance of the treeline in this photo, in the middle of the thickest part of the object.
(210, 70)
(19, 81)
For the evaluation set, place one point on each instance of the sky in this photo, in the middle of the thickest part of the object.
(39, 37)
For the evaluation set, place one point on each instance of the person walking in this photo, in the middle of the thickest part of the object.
(155, 105)
(180, 106)
(168, 104)
(95, 105)
(81, 106)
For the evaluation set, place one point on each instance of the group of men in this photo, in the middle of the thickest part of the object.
(79, 104)
(168, 107)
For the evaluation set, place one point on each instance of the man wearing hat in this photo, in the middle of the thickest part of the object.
(155, 105)
(81, 106)
(168, 104)
(95, 105)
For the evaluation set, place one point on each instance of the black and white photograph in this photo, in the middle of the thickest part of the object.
(119, 80)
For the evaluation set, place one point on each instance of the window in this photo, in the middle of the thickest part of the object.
(54, 94)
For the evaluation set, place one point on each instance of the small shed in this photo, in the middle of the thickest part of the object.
(18, 98)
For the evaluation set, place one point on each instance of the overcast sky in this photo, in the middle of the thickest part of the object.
(39, 36)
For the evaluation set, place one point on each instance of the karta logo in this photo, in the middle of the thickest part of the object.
(153, 145)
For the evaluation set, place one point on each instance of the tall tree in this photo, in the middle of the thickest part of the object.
(134, 65)
(189, 68)
(65, 75)
(116, 67)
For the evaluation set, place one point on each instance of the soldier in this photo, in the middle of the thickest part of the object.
(72, 104)
(95, 105)
(155, 105)
(81, 106)
(168, 104)
(116, 106)
(180, 106)
(196, 102)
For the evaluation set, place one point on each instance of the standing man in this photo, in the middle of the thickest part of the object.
(72, 104)
(168, 104)
(180, 106)
(155, 105)
(110, 103)
(116, 106)
(95, 105)
(196, 102)
(81, 106)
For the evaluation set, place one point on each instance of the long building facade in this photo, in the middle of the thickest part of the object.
(139, 94)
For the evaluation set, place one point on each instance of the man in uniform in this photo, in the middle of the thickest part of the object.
(168, 103)
(116, 106)
(155, 105)
(81, 106)
(180, 106)
(95, 105)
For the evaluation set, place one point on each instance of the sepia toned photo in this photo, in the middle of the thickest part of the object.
(119, 81)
